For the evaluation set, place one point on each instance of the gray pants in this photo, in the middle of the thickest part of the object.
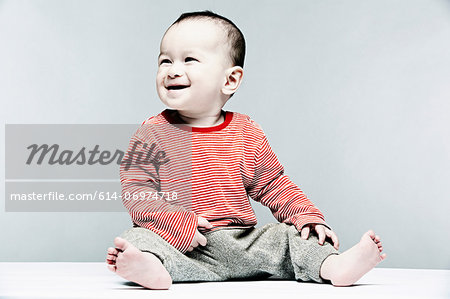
(275, 250)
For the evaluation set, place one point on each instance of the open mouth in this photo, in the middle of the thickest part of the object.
(177, 87)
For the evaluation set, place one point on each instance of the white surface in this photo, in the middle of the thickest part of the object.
(94, 280)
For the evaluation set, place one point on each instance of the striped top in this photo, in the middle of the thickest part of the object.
(173, 173)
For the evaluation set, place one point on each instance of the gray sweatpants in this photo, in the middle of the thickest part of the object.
(274, 250)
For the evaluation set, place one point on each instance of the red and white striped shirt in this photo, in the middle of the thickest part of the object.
(208, 172)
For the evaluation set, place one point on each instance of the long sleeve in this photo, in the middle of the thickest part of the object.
(274, 189)
(141, 183)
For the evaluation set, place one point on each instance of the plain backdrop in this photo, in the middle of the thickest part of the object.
(354, 97)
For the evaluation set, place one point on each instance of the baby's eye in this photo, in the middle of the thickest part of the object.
(190, 59)
(164, 61)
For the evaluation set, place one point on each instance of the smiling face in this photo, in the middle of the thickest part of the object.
(193, 64)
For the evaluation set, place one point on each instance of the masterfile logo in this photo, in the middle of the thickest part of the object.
(67, 157)
(76, 167)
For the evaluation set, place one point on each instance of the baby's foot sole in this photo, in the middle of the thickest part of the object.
(140, 267)
(347, 268)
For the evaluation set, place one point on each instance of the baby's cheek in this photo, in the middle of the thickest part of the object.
(159, 82)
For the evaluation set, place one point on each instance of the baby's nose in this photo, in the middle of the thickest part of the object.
(175, 70)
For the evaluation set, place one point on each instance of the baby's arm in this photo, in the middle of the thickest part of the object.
(140, 184)
(286, 200)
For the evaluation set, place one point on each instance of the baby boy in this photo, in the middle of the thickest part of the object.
(189, 197)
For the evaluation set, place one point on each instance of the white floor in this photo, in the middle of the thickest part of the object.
(94, 280)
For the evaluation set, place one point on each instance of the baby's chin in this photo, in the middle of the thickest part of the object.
(173, 104)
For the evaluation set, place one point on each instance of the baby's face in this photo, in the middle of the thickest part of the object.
(191, 67)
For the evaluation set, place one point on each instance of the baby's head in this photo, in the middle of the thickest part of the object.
(200, 65)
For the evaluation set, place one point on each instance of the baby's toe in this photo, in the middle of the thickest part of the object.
(110, 262)
(112, 268)
(113, 251)
(371, 234)
(111, 257)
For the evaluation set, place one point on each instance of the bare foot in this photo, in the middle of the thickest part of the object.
(347, 268)
(134, 265)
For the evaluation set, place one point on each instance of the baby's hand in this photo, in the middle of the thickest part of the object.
(199, 239)
(322, 231)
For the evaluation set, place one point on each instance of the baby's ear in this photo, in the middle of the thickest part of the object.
(233, 79)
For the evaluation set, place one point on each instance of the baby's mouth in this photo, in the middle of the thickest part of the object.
(177, 87)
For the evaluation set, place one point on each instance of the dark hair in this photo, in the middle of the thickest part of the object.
(235, 36)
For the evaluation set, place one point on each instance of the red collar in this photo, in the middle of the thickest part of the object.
(172, 117)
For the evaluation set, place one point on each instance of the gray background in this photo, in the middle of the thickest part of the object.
(353, 95)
